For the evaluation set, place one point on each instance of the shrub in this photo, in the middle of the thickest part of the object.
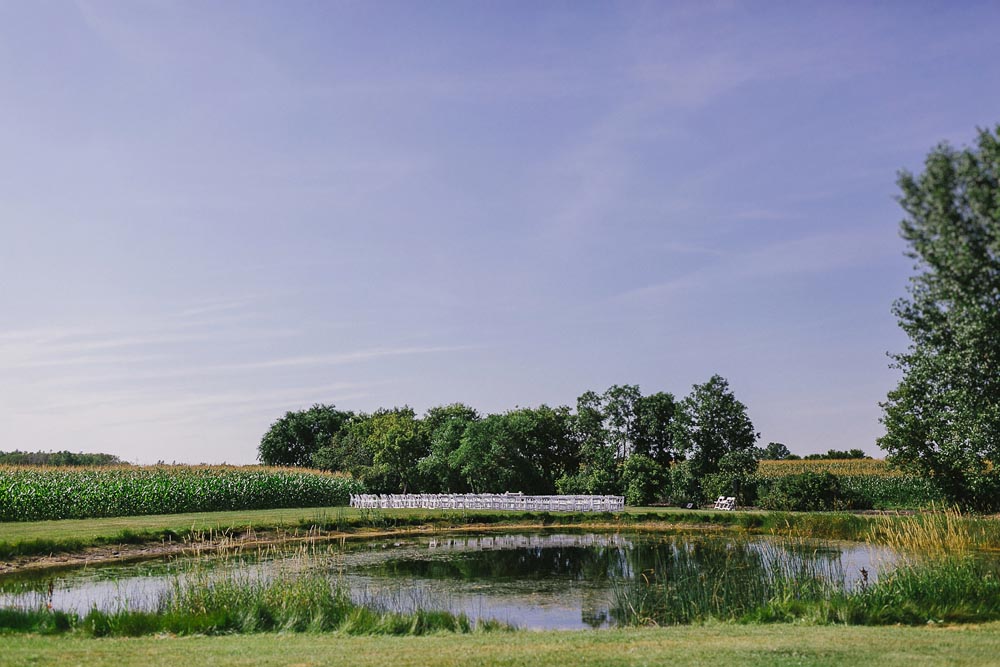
(808, 492)
(685, 487)
(644, 480)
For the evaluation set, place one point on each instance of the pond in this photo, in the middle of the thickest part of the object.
(537, 580)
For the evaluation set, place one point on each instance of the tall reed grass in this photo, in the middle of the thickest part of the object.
(211, 599)
(940, 575)
(724, 579)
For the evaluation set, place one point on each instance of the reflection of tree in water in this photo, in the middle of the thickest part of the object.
(671, 579)
(594, 616)
(529, 563)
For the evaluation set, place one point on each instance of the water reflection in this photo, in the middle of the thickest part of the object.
(534, 580)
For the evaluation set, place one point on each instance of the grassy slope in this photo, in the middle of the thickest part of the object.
(200, 521)
(676, 646)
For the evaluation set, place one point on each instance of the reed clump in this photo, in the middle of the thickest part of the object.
(726, 579)
(933, 535)
(202, 599)
(940, 575)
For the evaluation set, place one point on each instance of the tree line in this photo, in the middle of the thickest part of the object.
(64, 458)
(646, 447)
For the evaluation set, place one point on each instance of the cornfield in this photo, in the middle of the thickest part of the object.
(34, 493)
(872, 483)
(839, 467)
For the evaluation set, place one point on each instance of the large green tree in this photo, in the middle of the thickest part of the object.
(597, 470)
(944, 417)
(526, 449)
(293, 439)
(444, 427)
(396, 442)
(710, 427)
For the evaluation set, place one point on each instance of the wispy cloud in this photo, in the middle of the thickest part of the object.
(814, 254)
(342, 358)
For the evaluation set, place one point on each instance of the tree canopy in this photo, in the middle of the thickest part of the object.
(714, 433)
(63, 458)
(943, 419)
(293, 439)
(618, 441)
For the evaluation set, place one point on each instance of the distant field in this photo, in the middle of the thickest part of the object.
(871, 482)
(29, 493)
(850, 467)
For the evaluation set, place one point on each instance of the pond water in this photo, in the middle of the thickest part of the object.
(550, 580)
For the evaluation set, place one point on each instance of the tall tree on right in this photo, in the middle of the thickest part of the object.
(943, 419)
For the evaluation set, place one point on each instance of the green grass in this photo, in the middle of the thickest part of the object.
(682, 646)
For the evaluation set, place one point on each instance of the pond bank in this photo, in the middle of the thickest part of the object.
(57, 544)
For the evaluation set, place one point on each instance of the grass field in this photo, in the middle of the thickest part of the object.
(682, 646)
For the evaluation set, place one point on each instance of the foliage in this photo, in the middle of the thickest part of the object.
(534, 450)
(836, 454)
(626, 422)
(32, 494)
(807, 492)
(943, 419)
(722, 579)
(938, 578)
(521, 450)
(444, 427)
(293, 439)
(775, 451)
(840, 467)
(393, 441)
(597, 471)
(64, 458)
(644, 480)
(735, 477)
(869, 482)
(710, 424)
(685, 487)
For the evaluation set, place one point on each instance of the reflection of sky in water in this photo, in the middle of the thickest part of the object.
(555, 580)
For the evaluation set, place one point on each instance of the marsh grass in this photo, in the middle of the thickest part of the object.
(940, 575)
(204, 598)
(723, 579)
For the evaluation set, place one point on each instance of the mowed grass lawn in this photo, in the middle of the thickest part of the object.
(198, 521)
(771, 645)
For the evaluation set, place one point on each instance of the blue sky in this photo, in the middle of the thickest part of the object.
(212, 213)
